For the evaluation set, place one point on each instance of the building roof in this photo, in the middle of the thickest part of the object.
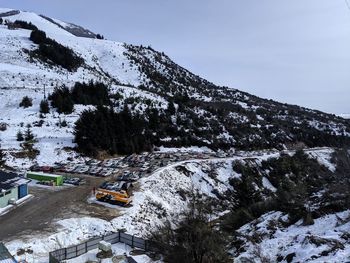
(44, 174)
(5, 256)
(9, 180)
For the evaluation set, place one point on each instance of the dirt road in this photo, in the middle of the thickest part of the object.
(40, 213)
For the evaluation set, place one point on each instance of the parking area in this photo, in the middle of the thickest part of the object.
(130, 167)
(109, 176)
(121, 173)
(48, 205)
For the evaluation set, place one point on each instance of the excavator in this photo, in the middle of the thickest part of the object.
(113, 197)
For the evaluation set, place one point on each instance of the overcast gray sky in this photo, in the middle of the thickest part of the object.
(295, 51)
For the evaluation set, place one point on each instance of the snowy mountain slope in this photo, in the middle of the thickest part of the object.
(20, 77)
(345, 116)
(324, 241)
(72, 28)
(100, 57)
(204, 115)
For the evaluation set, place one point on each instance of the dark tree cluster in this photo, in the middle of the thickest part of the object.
(98, 36)
(61, 99)
(24, 25)
(82, 93)
(92, 93)
(52, 52)
(44, 107)
(38, 37)
(105, 130)
(26, 102)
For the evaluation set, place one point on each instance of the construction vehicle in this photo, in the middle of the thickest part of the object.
(113, 197)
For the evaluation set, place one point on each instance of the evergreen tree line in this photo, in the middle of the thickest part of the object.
(82, 93)
(156, 124)
(24, 25)
(51, 51)
(116, 133)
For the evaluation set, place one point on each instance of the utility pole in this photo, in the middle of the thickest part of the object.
(44, 92)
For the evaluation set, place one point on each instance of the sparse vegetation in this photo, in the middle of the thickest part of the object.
(194, 239)
(26, 102)
(297, 178)
(28, 151)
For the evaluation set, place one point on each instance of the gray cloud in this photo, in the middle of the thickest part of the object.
(292, 51)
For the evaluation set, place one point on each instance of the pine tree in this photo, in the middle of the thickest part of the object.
(38, 36)
(98, 36)
(20, 137)
(44, 107)
(171, 108)
(2, 157)
(28, 135)
(26, 102)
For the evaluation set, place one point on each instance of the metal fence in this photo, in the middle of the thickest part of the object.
(59, 255)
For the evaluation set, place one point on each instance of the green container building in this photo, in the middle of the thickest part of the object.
(57, 179)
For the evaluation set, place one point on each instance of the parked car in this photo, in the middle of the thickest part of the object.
(72, 180)
(70, 169)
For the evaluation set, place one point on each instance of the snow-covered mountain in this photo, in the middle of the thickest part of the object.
(206, 115)
(345, 116)
(20, 76)
(193, 112)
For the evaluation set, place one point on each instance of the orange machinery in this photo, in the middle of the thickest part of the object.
(114, 197)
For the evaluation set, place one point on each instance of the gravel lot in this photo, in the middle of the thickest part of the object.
(48, 205)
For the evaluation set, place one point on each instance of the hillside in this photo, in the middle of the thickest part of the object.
(180, 108)
(67, 94)
(264, 232)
